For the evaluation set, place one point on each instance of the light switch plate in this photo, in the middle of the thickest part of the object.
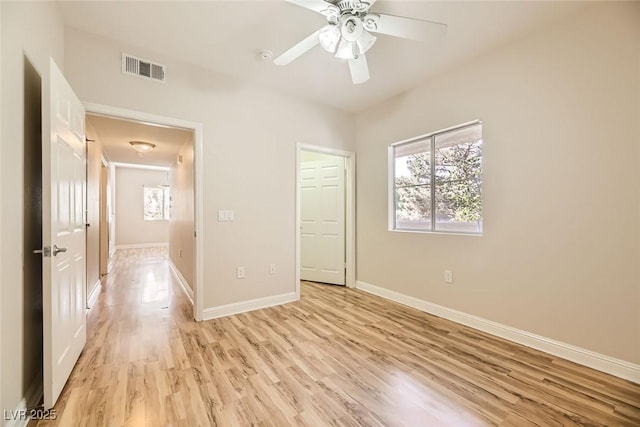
(225, 215)
(448, 276)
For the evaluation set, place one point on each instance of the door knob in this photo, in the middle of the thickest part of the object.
(56, 250)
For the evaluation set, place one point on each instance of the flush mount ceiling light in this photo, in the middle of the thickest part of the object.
(142, 146)
(348, 33)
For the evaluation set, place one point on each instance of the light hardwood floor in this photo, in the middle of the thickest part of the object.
(337, 357)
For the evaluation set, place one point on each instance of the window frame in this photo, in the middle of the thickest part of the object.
(391, 167)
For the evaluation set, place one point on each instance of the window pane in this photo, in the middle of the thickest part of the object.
(413, 208)
(412, 163)
(458, 177)
(153, 203)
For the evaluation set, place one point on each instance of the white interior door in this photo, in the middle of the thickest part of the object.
(64, 182)
(322, 225)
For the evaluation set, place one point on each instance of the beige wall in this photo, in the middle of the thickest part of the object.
(559, 254)
(249, 156)
(33, 30)
(182, 225)
(106, 234)
(1, 198)
(94, 170)
(111, 209)
(131, 228)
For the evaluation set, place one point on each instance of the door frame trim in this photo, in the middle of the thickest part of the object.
(350, 209)
(197, 128)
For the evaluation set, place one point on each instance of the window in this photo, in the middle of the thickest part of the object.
(156, 203)
(436, 182)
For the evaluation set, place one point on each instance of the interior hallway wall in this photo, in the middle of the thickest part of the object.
(182, 225)
(94, 170)
(131, 228)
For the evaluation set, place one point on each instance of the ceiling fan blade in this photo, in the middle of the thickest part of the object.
(298, 50)
(359, 69)
(316, 5)
(409, 28)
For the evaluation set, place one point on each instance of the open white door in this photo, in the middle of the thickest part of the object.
(63, 209)
(322, 225)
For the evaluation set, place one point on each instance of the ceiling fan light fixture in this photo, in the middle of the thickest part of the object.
(365, 41)
(351, 28)
(347, 49)
(354, 24)
(142, 146)
(329, 37)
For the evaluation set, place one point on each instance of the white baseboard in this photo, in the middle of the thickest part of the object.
(143, 245)
(29, 401)
(244, 306)
(183, 282)
(93, 296)
(591, 359)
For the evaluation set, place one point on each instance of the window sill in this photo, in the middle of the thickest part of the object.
(446, 233)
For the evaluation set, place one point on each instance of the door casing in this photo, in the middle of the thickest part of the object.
(197, 128)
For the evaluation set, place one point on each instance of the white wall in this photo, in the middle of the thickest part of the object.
(33, 30)
(182, 224)
(559, 254)
(1, 198)
(131, 228)
(249, 156)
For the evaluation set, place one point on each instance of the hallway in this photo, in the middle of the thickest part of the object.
(132, 334)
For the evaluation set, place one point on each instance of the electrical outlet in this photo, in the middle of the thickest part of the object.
(448, 276)
(240, 272)
(272, 269)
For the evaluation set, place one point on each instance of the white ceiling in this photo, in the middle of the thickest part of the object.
(225, 36)
(115, 134)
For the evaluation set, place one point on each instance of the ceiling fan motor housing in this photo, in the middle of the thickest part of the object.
(353, 6)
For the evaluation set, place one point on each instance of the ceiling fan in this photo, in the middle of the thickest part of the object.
(348, 32)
